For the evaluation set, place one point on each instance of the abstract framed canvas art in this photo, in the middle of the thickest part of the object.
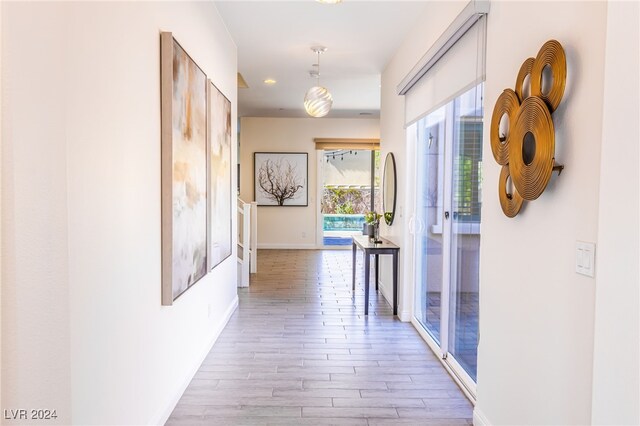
(184, 170)
(219, 138)
(281, 178)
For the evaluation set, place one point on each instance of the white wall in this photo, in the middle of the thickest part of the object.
(292, 227)
(536, 314)
(83, 328)
(35, 283)
(431, 24)
(616, 363)
(1, 405)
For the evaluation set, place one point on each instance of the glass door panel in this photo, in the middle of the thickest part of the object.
(446, 229)
(466, 201)
(347, 193)
(428, 221)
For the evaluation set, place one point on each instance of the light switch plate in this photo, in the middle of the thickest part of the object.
(585, 258)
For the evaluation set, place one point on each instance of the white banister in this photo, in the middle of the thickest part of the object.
(244, 242)
(254, 238)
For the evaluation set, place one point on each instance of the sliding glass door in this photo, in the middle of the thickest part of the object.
(465, 229)
(349, 181)
(446, 228)
(428, 222)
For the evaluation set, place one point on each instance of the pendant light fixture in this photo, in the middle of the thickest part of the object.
(318, 100)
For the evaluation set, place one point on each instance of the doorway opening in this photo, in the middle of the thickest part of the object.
(350, 181)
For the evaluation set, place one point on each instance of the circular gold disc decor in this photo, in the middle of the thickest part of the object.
(552, 54)
(532, 148)
(527, 151)
(511, 203)
(508, 104)
(525, 70)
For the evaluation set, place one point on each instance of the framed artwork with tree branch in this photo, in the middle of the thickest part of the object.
(281, 179)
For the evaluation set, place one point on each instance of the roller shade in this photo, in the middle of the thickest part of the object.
(453, 65)
(344, 143)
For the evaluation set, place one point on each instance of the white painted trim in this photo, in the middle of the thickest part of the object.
(479, 419)
(334, 247)
(277, 246)
(405, 316)
(460, 372)
(447, 279)
(162, 417)
(433, 345)
(253, 249)
(319, 189)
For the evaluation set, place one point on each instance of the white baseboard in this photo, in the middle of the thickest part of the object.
(277, 246)
(162, 417)
(386, 293)
(405, 316)
(479, 419)
(334, 247)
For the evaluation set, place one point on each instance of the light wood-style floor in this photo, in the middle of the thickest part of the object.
(299, 351)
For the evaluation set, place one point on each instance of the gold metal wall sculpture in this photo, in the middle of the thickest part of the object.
(525, 70)
(511, 203)
(525, 148)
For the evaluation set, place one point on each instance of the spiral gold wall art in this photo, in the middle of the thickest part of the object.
(522, 133)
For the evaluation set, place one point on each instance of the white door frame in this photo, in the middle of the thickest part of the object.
(319, 190)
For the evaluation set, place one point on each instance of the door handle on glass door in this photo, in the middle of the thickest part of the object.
(446, 215)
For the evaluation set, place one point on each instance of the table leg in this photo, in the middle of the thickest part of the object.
(366, 282)
(376, 272)
(395, 283)
(353, 275)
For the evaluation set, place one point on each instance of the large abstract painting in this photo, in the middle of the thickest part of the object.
(184, 170)
(219, 117)
(281, 178)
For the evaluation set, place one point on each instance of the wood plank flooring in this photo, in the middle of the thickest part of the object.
(299, 351)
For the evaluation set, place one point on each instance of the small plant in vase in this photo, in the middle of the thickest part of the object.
(372, 219)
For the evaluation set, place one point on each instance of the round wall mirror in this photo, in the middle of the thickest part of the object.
(389, 187)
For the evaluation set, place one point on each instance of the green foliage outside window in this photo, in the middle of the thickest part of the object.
(337, 200)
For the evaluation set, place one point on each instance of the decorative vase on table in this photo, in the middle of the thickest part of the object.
(376, 232)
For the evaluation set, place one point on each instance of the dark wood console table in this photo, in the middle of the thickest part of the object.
(369, 248)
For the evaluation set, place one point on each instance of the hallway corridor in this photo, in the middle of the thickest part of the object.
(299, 351)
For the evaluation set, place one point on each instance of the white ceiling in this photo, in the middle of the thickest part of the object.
(274, 40)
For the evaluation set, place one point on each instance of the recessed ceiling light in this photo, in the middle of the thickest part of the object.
(270, 81)
(329, 1)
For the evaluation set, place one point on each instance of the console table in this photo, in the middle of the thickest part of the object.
(370, 248)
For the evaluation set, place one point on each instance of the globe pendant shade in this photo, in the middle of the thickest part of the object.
(318, 101)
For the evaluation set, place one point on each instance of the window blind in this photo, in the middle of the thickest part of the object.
(453, 65)
(346, 143)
